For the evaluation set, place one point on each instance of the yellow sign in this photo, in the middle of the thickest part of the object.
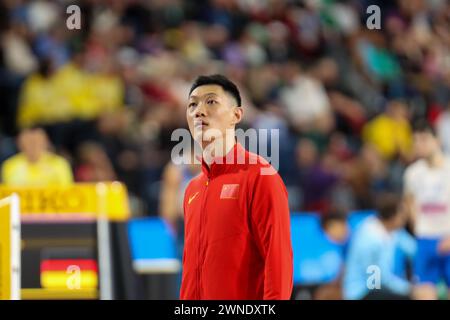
(9, 248)
(83, 200)
(85, 279)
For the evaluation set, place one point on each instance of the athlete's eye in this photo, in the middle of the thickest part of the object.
(192, 104)
(211, 101)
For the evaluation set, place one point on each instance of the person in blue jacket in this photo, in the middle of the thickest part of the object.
(370, 271)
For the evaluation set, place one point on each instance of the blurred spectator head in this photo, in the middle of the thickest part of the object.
(426, 142)
(335, 226)
(113, 123)
(327, 71)
(397, 109)
(290, 71)
(91, 152)
(390, 210)
(95, 164)
(373, 160)
(33, 143)
(306, 153)
(46, 67)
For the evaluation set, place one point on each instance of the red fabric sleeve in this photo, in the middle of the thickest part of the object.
(271, 227)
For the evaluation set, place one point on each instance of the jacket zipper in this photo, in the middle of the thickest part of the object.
(200, 243)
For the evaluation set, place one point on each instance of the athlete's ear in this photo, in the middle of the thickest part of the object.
(238, 113)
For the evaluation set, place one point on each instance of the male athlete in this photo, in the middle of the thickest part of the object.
(237, 231)
(427, 193)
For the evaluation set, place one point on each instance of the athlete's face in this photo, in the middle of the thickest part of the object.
(210, 113)
(425, 144)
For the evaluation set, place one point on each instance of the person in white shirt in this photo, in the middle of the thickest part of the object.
(427, 194)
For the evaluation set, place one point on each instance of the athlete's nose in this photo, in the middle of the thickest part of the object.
(200, 111)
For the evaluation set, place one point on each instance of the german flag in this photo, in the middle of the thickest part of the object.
(70, 274)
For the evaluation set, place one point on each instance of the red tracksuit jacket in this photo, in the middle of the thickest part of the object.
(237, 233)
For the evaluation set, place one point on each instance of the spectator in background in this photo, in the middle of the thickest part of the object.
(367, 175)
(174, 182)
(41, 102)
(69, 99)
(17, 54)
(109, 89)
(374, 244)
(306, 101)
(335, 226)
(427, 193)
(334, 160)
(73, 82)
(35, 165)
(390, 132)
(315, 181)
(443, 129)
(95, 165)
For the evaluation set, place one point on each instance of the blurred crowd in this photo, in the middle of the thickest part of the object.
(343, 96)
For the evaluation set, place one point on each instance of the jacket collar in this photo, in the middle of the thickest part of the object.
(220, 165)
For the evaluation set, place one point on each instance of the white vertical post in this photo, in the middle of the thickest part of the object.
(14, 251)
(15, 247)
(103, 243)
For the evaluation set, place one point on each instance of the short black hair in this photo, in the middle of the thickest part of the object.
(220, 80)
(422, 125)
(387, 205)
(333, 215)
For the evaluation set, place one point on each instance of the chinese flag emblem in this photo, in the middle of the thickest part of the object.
(229, 191)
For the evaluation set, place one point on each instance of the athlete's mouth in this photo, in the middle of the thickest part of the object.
(200, 124)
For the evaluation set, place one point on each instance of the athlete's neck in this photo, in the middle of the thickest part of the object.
(217, 148)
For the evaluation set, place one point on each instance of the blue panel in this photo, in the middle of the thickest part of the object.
(151, 238)
(316, 258)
